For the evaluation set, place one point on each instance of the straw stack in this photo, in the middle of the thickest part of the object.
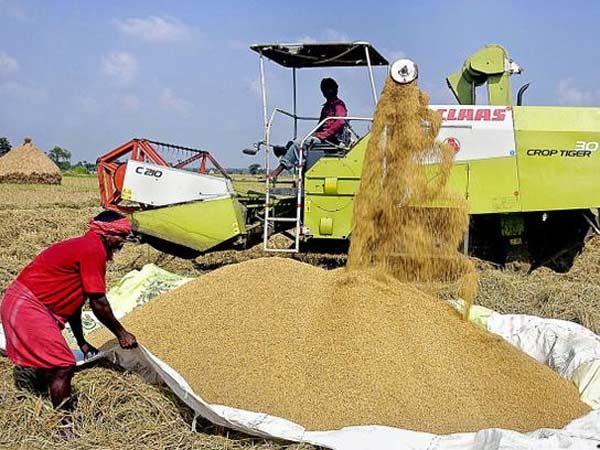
(28, 164)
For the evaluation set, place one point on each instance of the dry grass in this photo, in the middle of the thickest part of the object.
(573, 296)
(244, 183)
(74, 192)
(115, 410)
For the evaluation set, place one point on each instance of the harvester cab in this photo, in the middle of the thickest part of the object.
(285, 206)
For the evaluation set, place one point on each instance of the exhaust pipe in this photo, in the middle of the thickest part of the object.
(520, 94)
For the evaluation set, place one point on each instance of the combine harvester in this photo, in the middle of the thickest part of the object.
(530, 174)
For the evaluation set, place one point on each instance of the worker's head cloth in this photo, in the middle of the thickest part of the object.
(120, 227)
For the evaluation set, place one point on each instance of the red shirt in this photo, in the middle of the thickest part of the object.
(333, 108)
(64, 274)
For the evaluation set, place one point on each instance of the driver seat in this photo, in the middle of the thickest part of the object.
(348, 138)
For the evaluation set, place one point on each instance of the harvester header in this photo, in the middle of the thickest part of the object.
(113, 167)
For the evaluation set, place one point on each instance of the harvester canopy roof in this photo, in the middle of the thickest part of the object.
(331, 54)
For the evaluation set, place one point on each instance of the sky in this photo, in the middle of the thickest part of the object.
(91, 75)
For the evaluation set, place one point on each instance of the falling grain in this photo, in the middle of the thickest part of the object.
(407, 221)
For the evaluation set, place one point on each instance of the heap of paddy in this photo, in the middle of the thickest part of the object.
(328, 349)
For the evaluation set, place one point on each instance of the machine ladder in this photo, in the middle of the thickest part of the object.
(272, 221)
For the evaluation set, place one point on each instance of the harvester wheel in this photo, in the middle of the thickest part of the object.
(556, 238)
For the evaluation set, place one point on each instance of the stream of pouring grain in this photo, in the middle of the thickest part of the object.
(407, 221)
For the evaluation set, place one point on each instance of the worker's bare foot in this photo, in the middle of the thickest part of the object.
(66, 429)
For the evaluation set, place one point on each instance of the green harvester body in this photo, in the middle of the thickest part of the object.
(553, 167)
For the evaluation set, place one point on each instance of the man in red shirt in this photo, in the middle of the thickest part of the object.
(330, 131)
(51, 291)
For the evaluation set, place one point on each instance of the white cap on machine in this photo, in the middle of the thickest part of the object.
(404, 71)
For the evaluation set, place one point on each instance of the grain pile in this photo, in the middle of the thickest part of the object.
(407, 221)
(28, 164)
(329, 349)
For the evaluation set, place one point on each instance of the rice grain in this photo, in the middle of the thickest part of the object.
(329, 349)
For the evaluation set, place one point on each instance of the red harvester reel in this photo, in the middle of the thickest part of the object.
(111, 167)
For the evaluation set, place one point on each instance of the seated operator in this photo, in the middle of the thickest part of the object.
(330, 131)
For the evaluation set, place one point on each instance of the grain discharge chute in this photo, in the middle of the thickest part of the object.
(529, 173)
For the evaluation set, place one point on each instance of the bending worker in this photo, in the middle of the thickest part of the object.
(330, 131)
(51, 291)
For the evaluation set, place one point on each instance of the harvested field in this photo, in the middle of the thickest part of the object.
(346, 349)
(115, 410)
(28, 164)
(73, 192)
(33, 216)
(573, 296)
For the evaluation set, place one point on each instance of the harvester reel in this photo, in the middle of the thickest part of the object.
(404, 71)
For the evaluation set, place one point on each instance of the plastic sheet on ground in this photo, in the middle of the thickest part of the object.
(568, 348)
(134, 289)
(581, 434)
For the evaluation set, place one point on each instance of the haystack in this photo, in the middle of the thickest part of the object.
(28, 164)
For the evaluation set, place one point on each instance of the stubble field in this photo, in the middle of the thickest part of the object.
(35, 216)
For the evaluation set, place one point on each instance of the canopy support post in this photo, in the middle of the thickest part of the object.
(372, 79)
(294, 104)
(263, 89)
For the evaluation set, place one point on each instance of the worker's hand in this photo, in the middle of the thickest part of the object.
(127, 340)
(88, 350)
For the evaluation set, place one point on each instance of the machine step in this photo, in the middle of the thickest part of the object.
(281, 219)
(288, 192)
(281, 250)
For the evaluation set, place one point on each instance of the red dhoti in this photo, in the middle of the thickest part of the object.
(33, 335)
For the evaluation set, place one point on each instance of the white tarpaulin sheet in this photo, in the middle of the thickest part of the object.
(568, 348)
(581, 434)
(564, 346)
